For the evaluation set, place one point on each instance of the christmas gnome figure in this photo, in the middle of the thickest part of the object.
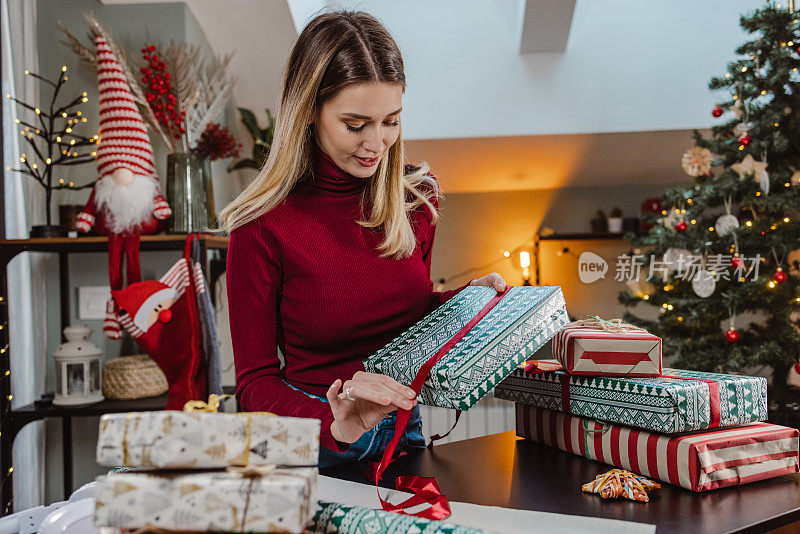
(162, 318)
(126, 202)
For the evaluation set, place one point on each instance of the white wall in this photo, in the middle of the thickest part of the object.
(629, 66)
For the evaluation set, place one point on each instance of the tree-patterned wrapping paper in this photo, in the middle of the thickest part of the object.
(663, 404)
(281, 501)
(526, 318)
(334, 518)
(171, 439)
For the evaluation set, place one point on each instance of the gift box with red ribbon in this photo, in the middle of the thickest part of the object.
(677, 401)
(598, 347)
(471, 342)
(698, 461)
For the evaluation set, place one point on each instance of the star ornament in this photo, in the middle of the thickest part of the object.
(749, 165)
(757, 169)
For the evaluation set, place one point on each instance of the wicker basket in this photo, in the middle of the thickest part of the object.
(133, 377)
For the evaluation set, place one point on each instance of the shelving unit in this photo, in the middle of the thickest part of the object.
(580, 236)
(12, 421)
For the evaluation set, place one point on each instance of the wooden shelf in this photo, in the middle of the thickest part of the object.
(582, 236)
(100, 243)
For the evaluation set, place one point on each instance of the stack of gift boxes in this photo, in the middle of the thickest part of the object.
(207, 471)
(608, 399)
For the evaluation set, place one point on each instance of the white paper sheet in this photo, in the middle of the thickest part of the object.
(489, 518)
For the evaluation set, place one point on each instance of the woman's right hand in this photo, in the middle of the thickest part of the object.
(375, 396)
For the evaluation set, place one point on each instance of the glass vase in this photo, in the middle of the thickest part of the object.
(190, 193)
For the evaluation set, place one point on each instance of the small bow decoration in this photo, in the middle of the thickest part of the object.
(615, 326)
(212, 405)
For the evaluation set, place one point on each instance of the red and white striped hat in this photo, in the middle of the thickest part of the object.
(123, 136)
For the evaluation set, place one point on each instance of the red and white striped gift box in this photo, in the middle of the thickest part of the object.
(698, 461)
(587, 350)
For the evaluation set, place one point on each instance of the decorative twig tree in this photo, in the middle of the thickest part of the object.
(53, 143)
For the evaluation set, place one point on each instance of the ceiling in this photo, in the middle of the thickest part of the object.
(480, 165)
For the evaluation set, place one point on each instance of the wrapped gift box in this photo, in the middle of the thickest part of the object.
(523, 320)
(173, 439)
(677, 401)
(281, 501)
(334, 518)
(592, 351)
(698, 461)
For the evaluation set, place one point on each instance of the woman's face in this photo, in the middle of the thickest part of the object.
(357, 127)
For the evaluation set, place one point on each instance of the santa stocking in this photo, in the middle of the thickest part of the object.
(162, 317)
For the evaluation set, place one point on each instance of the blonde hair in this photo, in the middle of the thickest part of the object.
(336, 50)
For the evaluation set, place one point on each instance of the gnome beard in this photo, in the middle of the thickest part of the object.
(127, 200)
(160, 320)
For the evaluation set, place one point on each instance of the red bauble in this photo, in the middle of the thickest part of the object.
(716, 112)
(780, 276)
(737, 262)
(681, 226)
(745, 140)
(797, 368)
(165, 316)
(732, 335)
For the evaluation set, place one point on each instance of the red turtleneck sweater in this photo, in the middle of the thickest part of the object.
(305, 278)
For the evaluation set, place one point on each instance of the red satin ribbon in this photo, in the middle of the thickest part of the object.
(713, 388)
(424, 489)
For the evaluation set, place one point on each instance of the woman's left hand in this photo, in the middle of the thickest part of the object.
(494, 280)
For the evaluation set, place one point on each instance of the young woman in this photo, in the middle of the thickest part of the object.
(330, 245)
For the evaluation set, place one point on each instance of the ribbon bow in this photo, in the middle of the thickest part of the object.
(615, 326)
(212, 405)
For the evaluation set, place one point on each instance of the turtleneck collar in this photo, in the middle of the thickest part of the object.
(328, 179)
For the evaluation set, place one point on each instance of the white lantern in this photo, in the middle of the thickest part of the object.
(78, 369)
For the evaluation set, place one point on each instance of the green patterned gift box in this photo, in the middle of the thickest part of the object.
(523, 320)
(677, 401)
(334, 518)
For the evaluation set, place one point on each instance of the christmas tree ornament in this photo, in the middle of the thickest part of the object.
(797, 368)
(728, 222)
(742, 128)
(749, 166)
(780, 276)
(681, 226)
(675, 257)
(716, 112)
(696, 161)
(795, 179)
(732, 335)
(704, 283)
(737, 262)
(745, 140)
(126, 202)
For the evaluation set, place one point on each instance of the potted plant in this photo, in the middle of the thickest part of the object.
(615, 220)
(262, 140)
(599, 223)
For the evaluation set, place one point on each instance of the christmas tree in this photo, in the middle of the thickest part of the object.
(718, 256)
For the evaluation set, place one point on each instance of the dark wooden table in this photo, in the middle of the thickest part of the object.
(503, 470)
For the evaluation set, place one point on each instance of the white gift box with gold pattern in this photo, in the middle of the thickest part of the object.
(188, 440)
(282, 500)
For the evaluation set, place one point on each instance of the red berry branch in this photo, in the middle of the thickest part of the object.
(217, 142)
(160, 94)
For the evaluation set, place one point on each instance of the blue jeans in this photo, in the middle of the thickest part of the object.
(370, 446)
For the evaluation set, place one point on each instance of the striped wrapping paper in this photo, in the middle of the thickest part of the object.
(587, 350)
(699, 461)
